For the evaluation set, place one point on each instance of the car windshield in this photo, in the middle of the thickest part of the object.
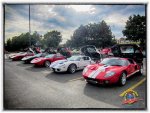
(91, 50)
(127, 49)
(50, 56)
(114, 62)
(74, 58)
(38, 55)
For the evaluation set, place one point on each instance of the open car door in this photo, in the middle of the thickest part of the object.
(92, 52)
(128, 51)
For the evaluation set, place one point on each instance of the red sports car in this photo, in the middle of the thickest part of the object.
(20, 55)
(47, 60)
(111, 70)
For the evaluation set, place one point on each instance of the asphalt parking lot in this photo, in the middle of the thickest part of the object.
(29, 87)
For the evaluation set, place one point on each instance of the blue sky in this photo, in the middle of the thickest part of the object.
(66, 18)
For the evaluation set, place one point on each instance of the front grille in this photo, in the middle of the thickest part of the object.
(96, 80)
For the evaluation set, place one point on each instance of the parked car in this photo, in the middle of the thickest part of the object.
(111, 70)
(20, 55)
(28, 59)
(76, 62)
(47, 60)
(128, 51)
(92, 52)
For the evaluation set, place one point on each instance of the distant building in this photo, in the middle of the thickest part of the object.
(121, 40)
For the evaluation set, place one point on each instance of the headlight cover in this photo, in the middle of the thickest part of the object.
(60, 65)
(109, 74)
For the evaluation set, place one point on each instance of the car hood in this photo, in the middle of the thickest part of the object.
(18, 54)
(58, 62)
(28, 57)
(100, 70)
(35, 60)
(40, 58)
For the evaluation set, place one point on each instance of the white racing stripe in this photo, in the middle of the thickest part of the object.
(99, 70)
(95, 73)
(91, 74)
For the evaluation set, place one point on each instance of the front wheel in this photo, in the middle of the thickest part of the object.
(72, 68)
(47, 63)
(123, 79)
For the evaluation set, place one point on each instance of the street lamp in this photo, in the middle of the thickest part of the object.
(29, 28)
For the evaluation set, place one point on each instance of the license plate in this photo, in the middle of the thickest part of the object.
(92, 81)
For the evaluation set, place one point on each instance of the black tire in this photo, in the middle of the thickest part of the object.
(25, 62)
(122, 79)
(54, 70)
(47, 63)
(72, 68)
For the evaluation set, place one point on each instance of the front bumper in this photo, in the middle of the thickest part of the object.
(58, 69)
(96, 81)
(110, 80)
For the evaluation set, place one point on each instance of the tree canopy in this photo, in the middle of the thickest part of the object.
(25, 40)
(135, 29)
(52, 39)
(98, 34)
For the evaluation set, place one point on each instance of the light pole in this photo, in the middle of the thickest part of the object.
(29, 28)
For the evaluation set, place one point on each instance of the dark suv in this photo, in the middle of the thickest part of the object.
(128, 51)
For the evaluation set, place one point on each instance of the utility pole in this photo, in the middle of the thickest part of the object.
(29, 28)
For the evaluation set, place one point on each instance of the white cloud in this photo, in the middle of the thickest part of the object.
(116, 19)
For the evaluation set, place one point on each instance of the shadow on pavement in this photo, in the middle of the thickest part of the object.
(63, 76)
(37, 69)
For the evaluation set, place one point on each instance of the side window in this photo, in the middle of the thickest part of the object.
(86, 58)
(137, 51)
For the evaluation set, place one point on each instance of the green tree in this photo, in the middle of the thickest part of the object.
(35, 38)
(98, 34)
(22, 41)
(8, 45)
(135, 29)
(52, 38)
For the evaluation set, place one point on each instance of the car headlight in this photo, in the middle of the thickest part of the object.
(85, 70)
(109, 74)
(61, 65)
